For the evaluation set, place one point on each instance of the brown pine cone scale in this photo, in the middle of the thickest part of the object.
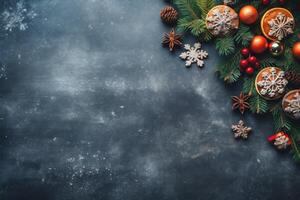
(169, 15)
(293, 77)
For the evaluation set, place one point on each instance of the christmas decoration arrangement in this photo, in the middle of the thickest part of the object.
(259, 46)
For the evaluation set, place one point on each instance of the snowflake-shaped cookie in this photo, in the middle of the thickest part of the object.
(193, 55)
(222, 20)
(272, 83)
(282, 142)
(281, 26)
(293, 104)
(240, 130)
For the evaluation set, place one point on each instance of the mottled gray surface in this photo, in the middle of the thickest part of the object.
(94, 108)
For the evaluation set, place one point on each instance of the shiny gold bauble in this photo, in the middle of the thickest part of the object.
(248, 14)
(296, 50)
(276, 48)
(259, 44)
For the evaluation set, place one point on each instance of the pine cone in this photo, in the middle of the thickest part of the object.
(169, 15)
(293, 77)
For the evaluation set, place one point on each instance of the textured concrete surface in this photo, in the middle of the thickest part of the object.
(92, 107)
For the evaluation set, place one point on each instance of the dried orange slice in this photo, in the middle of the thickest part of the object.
(277, 23)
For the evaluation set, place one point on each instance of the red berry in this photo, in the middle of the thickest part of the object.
(250, 70)
(257, 65)
(281, 1)
(252, 60)
(244, 63)
(265, 2)
(245, 52)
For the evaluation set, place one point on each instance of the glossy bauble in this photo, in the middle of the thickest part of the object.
(276, 48)
(245, 52)
(296, 50)
(265, 2)
(257, 65)
(252, 60)
(244, 64)
(248, 14)
(259, 44)
(250, 70)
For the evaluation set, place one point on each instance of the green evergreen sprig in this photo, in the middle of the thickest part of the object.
(192, 18)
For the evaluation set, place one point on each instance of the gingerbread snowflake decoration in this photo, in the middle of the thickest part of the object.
(222, 20)
(271, 82)
(194, 54)
(281, 26)
(280, 140)
(293, 105)
(240, 130)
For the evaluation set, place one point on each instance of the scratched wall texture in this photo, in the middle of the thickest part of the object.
(93, 108)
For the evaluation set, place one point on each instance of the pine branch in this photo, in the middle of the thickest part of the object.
(258, 105)
(207, 36)
(225, 46)
(280, 120)
(193, 18)
(205, 6)
(197, 26)
(249, 86)
(243, 36)
(229, 71)
(188, 9)
(289, 59)
(271, 62)
(295, 133)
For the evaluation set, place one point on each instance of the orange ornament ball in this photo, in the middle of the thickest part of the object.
(248, 14)
(259, 44)
(296, 50)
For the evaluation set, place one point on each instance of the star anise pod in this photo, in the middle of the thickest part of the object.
(240, 102)
(171, 39)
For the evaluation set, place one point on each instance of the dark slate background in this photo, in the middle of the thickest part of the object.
(92, 107)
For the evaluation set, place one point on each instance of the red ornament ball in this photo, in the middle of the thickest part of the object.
(245, 52)
(252, 60)
(259, 44)
(244, 64)
(257, 65)
(265, 2)
(296, 50)
(248, 14)
(250, 70)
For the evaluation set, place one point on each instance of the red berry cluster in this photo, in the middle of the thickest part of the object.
(267, 2)
(249, 63)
